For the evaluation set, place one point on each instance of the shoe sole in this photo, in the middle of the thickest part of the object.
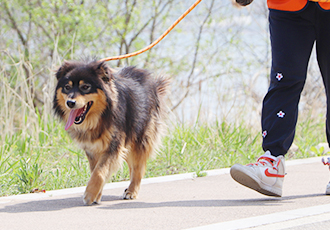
(251, 181)
(327, 191)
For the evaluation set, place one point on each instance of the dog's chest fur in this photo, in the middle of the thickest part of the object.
(91, 140)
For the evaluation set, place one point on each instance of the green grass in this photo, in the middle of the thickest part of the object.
(54, 161)
(199, 148)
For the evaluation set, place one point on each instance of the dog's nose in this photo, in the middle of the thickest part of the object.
(71, 103)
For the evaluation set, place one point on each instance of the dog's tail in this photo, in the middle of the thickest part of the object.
(162, 86)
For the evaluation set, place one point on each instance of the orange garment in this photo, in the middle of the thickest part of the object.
(295, 5)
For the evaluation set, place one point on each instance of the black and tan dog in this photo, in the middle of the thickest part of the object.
(113, 116)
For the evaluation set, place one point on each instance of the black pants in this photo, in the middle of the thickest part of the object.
(292, 38)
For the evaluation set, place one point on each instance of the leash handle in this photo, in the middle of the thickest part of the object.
(156, 41)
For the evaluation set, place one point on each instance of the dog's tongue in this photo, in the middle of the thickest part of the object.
(72, 117)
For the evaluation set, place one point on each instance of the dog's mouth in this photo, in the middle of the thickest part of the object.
(77, 116)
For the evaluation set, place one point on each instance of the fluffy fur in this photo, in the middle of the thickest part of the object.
(113, 116)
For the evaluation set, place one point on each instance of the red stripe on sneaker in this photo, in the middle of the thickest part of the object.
(272, 174)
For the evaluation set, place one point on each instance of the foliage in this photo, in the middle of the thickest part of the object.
(55, 162)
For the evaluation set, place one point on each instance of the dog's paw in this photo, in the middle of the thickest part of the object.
(90, 199)
(128, 195)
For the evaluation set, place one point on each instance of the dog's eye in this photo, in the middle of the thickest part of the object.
(105, 79)
(67, 87)
(85, 88)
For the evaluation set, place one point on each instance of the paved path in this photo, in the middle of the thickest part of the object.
(181, 202)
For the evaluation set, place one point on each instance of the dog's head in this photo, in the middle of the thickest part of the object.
(82, 91)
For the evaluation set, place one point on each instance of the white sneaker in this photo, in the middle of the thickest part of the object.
(327, 191)
(265, 176)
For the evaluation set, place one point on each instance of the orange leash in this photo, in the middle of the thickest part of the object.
(156, 41)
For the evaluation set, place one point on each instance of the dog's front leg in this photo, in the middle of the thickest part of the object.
(105, 166)
(93, 159)
(94, 186)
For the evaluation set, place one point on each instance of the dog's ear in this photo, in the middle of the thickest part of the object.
(104, 71)
(64, 69)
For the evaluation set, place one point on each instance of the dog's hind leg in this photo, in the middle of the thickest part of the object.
(136, 161)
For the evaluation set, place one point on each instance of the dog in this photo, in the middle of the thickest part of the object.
(114, 116)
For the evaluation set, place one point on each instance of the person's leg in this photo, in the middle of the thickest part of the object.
(323, 58)
(292, 39)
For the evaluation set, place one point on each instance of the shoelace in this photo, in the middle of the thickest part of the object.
(265, 160)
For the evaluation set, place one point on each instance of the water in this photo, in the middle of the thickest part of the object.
(235, 48)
